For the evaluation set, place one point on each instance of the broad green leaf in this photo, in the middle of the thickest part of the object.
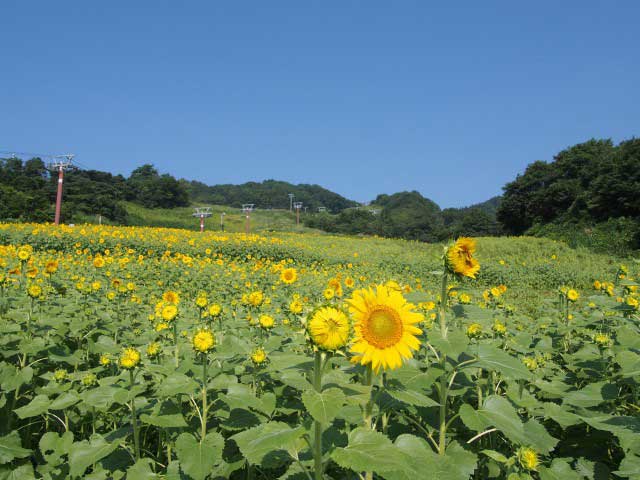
(175, 384)
(23, 472)
(141, 470)
(272, 437)
(11, 447)
(37, 406)
(84, 454)
(324, 406)
(197, 459)
(166, 414)
(497, 412)
(370, 451)
(421, 462)
(559, 470)
(592, 395)
(65, 400)
(493, 359)
(54, 446)
(629, 467)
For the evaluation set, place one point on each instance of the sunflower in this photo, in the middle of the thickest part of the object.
(266, 321)
(203, 340)
(329, 328)
(289, 275)
(384, 327)
(171, 297)
(169, 313)
(528, 458)
(573, 295)
(129, 358)
(460, 257)
(258, 356)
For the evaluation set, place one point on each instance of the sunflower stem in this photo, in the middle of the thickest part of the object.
(317, 446)
(203, 418)
(134, 420)
(442, 439)
(443, 304)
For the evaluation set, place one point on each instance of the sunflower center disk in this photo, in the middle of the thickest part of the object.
(383, 328)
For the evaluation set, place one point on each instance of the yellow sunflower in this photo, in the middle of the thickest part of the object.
(460, 257)
(289, 275)
(329, 328)
(384, 327)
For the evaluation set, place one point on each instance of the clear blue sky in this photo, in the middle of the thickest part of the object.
(362, 97)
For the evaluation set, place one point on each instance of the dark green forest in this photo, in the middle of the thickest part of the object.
(268, 194)
(588, 194)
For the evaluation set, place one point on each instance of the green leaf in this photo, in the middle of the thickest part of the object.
(53, 446)
(324, 406)
(23, 472)
(592, 395)
(421, 462)
(559, 470)
(259, 441)
(241, 396)
(35, 407)
(369, 451)
(84, 454)
(175, 384)
(165, 414)
(560, 414)
(11, 447)
(141, 470)
(197, 459)
(64, 400)
(455, 343)
(499, 413)
(629, 363)
(629, 467)
(493, 359)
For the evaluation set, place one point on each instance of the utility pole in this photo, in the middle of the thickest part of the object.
(63, 162)
(202, 212)
(291, 195)
(247, 208)
(222, 221)
(297, 206)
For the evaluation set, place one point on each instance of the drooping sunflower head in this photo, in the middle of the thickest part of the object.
(289, 275)
(329, 329)
(460, 260)
(384, 327)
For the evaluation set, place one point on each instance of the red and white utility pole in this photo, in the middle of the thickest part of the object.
(60, 167)
(297, 206)
(247, 208)
(202, 212)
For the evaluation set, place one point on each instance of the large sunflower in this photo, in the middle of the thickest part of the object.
(384, 327)
(460, 257)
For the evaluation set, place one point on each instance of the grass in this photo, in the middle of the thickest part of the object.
(234, 219)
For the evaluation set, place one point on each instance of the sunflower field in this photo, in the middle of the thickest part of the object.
(146, 353)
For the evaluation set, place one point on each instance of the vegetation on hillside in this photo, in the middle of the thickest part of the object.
(592, 186)
(268, 194)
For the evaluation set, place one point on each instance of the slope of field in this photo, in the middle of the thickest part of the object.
(234, 219)
(167, 353)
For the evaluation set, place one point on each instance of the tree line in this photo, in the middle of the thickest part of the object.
(587, 194)
(411, 216)
(28, 190)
